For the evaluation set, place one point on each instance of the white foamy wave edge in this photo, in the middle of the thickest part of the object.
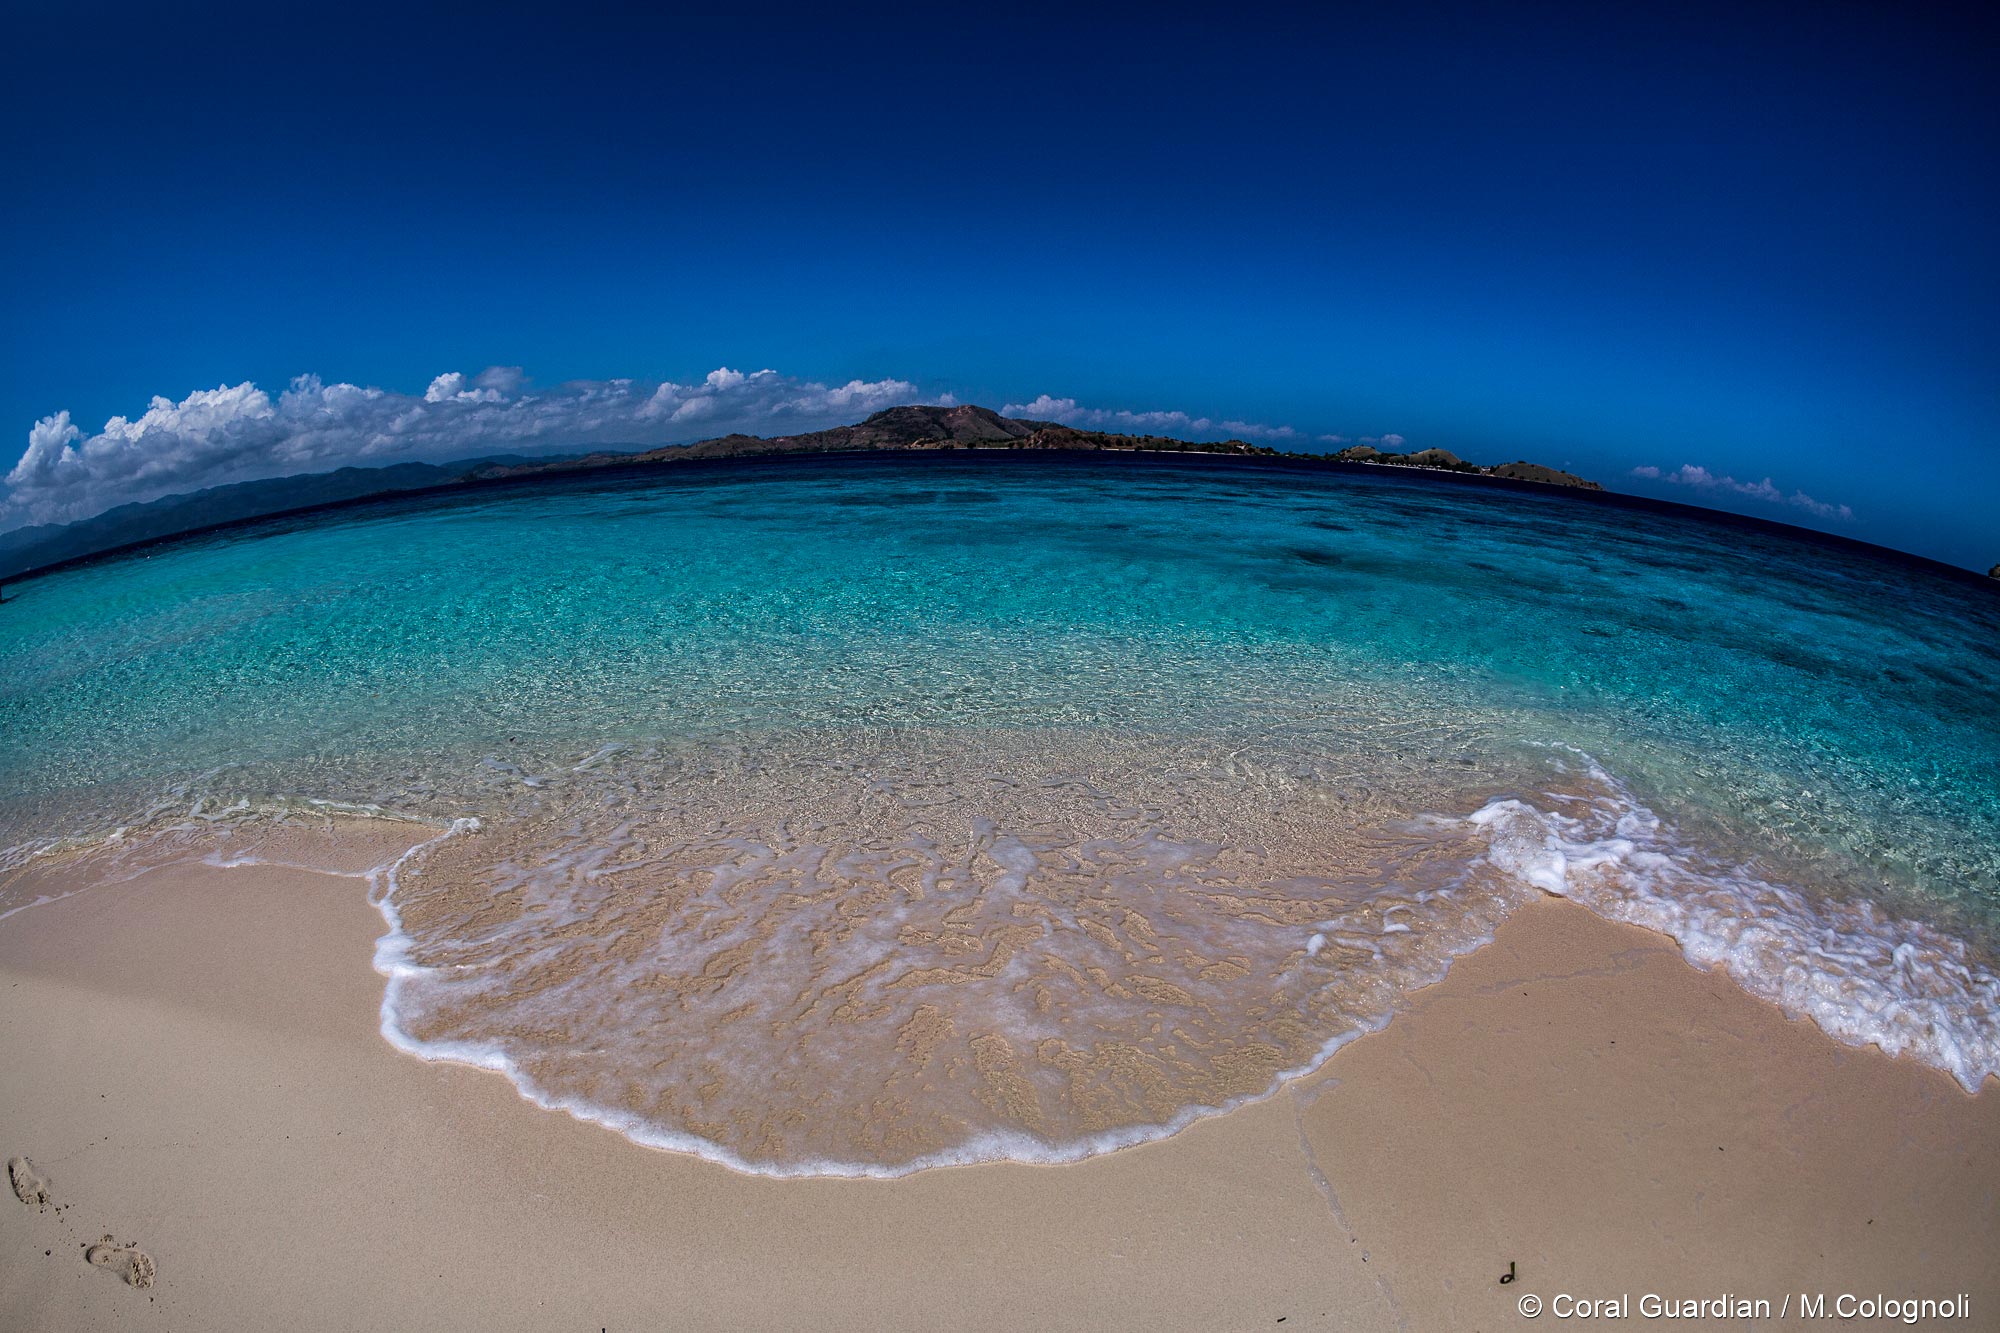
(393, 959)
(1864, 976)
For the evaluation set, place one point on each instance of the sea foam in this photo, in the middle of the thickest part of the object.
(866, 967)
(869, 964)
(1863, 975)
(940, 968)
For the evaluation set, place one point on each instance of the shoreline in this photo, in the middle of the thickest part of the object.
(199, 1069)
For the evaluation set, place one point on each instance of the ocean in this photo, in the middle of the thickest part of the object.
(851, 816)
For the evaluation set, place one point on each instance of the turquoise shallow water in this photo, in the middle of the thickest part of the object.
(1334, 652)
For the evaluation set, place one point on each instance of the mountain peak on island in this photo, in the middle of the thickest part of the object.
(963, 421)
(966, 423)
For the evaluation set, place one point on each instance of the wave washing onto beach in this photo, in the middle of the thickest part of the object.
(827, 961)
(818, 967)
(182, 827)
(864, 958)
(1864, 975)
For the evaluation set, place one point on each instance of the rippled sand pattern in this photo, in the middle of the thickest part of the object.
(812, 964)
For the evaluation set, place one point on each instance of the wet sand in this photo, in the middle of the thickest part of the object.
(193, 1065)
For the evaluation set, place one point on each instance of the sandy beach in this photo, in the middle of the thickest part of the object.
(1000, 670)
(194, 1067)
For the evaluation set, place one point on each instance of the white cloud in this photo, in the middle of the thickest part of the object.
(1690, 474)
(446, 388)
(1067, 412)
(862, 396)
(240, 433)
(49, 442)
(495, 384)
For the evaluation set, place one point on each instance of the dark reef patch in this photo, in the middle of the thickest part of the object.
(888, 499)
(1317, 556)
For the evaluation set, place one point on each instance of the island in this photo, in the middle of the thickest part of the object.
(918, 429)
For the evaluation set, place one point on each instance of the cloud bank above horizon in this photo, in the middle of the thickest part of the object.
(234, 433)
(1700, 478)
(1067, 412)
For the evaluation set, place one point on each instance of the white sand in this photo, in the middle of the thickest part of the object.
(192, 1060)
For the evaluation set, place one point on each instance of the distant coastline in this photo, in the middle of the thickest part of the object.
(956, 431)
(930, 429)
(914, 429)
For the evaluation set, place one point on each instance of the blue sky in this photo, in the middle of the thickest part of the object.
(1727, 246)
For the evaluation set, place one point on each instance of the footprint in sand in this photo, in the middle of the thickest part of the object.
(129, 1262)
(30, 1186)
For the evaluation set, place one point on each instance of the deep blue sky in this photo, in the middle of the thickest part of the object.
(1756, 240)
